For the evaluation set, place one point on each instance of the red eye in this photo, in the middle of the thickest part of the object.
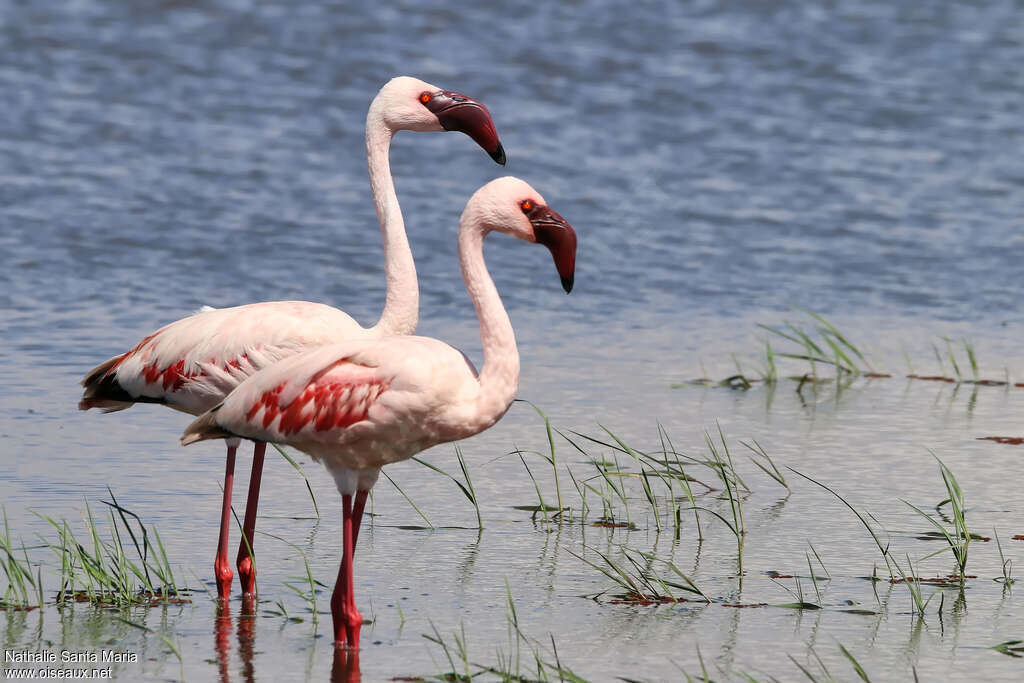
(425, 97)
(526, 205)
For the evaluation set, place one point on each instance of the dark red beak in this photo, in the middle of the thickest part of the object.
(557, 235)
(466, 115)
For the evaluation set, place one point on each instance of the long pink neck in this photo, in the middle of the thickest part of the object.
(401, 307)
(499, 376)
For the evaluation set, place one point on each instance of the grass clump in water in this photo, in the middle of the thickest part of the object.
(102, 570)
(22, 586)
(305, 586)
(523, 661)
(825, 674)
(466, 488)
(1011, 648)
(1007, 578)
(641, 583)
(959, 539)
(824, 348)
(882, 548)
(732, 485)
(831, 348)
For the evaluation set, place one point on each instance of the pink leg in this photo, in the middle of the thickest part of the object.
(246, 551)
(357, 516)
(347, 619)
(221, 568)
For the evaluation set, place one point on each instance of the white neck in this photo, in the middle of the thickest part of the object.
(499, 376)
(401, 307)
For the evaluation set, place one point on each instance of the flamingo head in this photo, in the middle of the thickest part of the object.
(511, 206)
(407, 103)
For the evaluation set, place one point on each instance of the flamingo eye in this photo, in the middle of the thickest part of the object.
(527, 205)
(425, 97)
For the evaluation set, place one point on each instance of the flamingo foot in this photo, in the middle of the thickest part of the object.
(223, 574)
(347, 626)
(352, 629)
(247, 576)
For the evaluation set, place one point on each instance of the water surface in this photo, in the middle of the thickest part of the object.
(722, 166)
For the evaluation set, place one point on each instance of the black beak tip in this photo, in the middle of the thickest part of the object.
(567, 283)
(499, 154)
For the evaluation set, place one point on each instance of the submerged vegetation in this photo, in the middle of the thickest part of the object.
(621, 488)
(100, 569)
(24, 588)
(520, 659)
(824, 356)
(640, 579)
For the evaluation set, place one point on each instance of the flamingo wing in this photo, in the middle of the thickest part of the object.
(390, 395)
(193, 363)
(312, 395)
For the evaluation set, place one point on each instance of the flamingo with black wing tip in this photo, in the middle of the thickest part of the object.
(359, 405)
(193, 363)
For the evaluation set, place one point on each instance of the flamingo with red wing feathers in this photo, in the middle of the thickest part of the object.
(359, 405)
(192, 364)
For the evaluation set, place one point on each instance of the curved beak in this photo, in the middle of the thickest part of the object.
(557, 235)
(464, 114)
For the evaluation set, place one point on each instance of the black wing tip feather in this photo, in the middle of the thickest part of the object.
(102, 390)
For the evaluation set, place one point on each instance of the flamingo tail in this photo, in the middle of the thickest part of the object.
(103, 391)
(205, 427)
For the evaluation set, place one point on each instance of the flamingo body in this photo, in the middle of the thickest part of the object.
(361, 404)
(344, 403)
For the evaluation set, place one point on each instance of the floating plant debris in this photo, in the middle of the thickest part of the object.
(17, 608)
(936, 536)
(612, 524)
(143, 599)
(538, 508)
(948, 580)
(739, 605)
(798, 605)
(1009, 440)
(1013, 648)
(645, 600)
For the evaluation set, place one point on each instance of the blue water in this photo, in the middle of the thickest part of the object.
(722, 163)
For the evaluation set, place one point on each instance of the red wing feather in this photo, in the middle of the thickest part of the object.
(326, 402)
(174, 377)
